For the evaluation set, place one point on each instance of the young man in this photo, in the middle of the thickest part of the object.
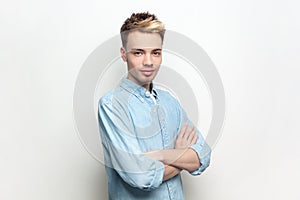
(146, 136)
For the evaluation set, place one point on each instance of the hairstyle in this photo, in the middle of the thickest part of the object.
(143, 22)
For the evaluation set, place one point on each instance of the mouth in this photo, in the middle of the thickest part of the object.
(147, 72)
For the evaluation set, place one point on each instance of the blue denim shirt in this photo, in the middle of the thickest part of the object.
(132, 121)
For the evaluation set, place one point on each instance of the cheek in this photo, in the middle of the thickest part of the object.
(158, 61)
(134, 63)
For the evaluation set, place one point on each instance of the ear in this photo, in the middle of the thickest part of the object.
(123, 54)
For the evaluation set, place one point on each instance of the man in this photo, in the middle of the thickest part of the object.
(146, 136)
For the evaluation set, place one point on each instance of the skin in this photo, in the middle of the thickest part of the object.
(143, 54)
(180, 158)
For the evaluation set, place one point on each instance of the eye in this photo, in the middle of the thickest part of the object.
(138, 53)
(156, 53)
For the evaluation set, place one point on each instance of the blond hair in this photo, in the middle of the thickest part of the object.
(143, 22)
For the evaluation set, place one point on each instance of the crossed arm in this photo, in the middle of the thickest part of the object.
(120, 152)
(181, 157)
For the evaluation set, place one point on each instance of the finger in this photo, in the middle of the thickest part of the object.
(182, 130)
(191, 134)
(188, 131)
(195, 138)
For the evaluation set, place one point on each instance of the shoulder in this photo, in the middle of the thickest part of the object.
(116, 96)
(106, 99)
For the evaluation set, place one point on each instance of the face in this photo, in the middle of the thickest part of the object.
(143, 56)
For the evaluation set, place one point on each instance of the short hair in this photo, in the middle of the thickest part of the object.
(144, 22)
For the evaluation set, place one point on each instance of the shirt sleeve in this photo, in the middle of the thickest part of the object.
(121, 148)
(202, 149)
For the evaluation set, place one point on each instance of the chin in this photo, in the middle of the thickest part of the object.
(142, 80)
(145, 82)
(149, 79)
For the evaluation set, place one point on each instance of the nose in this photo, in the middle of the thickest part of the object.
(147, 60)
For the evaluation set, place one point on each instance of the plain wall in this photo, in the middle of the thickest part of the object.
(255, 46)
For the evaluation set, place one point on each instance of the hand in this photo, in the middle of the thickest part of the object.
(186, 137)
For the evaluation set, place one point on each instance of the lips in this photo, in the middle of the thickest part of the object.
(147, 72)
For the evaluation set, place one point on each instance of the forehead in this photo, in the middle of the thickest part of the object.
(142, 40)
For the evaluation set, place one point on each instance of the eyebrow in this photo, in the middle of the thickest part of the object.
(134, 49)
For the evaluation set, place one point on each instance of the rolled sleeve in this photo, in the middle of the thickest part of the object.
(156, 177)
(204, 152)
(148, 180)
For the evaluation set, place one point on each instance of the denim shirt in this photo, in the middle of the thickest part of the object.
(133, 121)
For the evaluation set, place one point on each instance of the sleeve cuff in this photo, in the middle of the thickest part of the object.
(159, 174)
(157, 177)
(203, 152)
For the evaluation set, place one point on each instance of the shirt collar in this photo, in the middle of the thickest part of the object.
(137, 90)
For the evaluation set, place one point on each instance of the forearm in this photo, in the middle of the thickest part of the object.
(170, 172)
(186, 159)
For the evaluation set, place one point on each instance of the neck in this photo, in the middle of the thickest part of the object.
(147, 86)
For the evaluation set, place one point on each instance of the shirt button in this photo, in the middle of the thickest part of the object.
(147, 94)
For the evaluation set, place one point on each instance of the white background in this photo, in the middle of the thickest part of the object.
(255, 46)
